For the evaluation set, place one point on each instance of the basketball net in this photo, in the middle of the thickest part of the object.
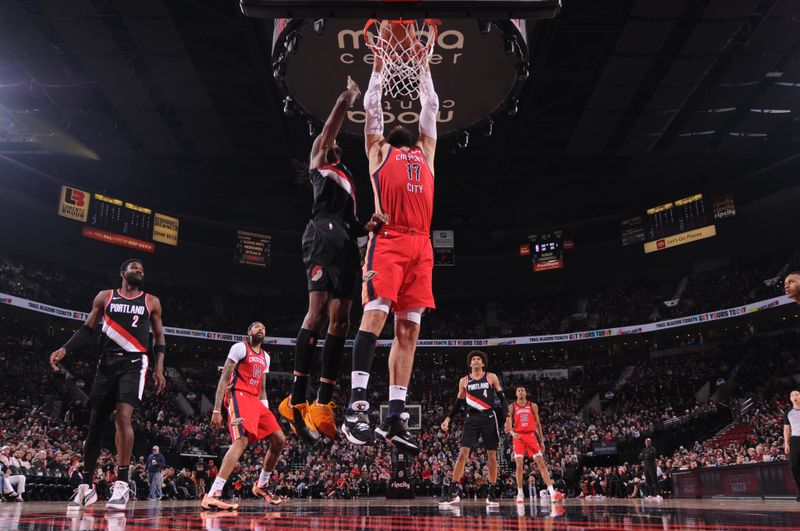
(404, 49)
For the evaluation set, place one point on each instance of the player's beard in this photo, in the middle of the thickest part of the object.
(133, 280)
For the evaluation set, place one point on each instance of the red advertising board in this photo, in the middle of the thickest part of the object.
(117, 239)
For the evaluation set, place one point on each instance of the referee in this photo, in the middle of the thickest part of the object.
(791, 437)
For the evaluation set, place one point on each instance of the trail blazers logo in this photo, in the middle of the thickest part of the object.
(369, 275)
(316, 273)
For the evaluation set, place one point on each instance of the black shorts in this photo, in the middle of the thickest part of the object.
(120, 378)
(333, 263)
(483, 424)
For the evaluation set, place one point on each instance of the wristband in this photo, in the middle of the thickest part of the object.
(217, 411)
(159, 349)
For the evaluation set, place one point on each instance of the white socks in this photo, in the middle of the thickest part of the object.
(397, 392)
(218, 485)
(263, 479)
(551, 490)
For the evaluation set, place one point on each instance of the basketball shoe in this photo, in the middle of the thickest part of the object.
(322, 418)
(84, 496)
(356, 428)
(297, 415)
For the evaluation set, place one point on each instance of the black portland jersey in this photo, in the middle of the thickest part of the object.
(480, 393)
(335, 195)
(126, 323)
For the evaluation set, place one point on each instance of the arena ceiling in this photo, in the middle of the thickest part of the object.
(172, 104)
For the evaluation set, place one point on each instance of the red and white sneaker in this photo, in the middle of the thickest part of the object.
(558, 496)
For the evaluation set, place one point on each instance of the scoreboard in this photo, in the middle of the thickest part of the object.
(678, 216)
(116, 221)
(252, 249)
(547, 251)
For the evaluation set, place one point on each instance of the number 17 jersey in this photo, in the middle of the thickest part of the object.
(403, 188)
(251, 366)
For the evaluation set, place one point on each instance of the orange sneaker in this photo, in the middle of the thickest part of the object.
(323, 418)
(211, 501)
(558, 496)
(297, 415)
(259, 492)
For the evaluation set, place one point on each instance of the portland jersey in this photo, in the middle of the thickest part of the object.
(126, 323)
(480, 393)
(251, 366)
(524, 419)
(403, 188)
(335, 195)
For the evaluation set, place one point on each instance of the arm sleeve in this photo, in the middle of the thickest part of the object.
(268, 359)
(429, 101)
(457, 406)
(373, 107)
(237, 352)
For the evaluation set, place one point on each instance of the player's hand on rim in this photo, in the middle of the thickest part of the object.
(57, 356)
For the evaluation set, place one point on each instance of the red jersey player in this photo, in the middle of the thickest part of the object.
(399, 262)
(241, 389)
(523, 424)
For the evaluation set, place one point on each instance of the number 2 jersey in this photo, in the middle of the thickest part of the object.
(403, 188)
(126, 323)
(251, 366)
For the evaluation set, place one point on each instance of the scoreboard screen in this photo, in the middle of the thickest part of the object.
(682, 215)
(252, 248)
(120, 217)
(547, 251)
(118, 222)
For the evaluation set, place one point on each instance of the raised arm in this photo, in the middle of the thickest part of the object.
(373, 109)
(159, 343)
(429, 102)
(84, 333)
(333, 124)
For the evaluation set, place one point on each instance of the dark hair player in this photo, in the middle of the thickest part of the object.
(128, 316)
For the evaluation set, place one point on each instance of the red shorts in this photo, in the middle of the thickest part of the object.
(248, 416)
(399, 267)
(526, 443)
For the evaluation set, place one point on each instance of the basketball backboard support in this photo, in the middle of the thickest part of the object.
(395, 9)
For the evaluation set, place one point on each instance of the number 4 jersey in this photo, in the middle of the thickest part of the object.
(251, 366)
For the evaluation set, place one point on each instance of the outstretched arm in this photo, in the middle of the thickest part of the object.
(333, 124)
(429, 101)
(373, 108)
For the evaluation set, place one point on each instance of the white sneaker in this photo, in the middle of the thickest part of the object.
(84, 496)
(119, 496)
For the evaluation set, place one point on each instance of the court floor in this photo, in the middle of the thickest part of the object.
(415, 515)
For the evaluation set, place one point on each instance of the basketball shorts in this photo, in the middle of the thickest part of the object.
(483, 425)
(331, 257)
(399, 267)
(247, 416)
(120, 377)
(527, 444)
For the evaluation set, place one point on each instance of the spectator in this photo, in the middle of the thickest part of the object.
(154, 467)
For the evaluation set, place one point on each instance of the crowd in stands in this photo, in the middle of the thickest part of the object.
(732, 285)
(604, 400)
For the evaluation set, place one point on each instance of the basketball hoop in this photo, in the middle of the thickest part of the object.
(403, 48)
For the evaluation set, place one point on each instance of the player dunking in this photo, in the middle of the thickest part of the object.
(129, 314)
(524, 425)
(477, 392)
(399, 261)
(242, 390)
(333, 269)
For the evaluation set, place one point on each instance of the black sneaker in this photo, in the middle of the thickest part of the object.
(399, 435)
(356, 428)
(383, 429)
(452, 496)
(491, 500)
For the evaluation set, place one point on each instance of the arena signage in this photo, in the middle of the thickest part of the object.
(718, 315)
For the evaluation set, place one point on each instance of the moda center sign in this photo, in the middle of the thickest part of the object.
(474, 75)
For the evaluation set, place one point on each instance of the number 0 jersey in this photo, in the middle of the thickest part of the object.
(524, 419)
(403, 188)
(251, 366)
(480, 393)
(126, 323)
